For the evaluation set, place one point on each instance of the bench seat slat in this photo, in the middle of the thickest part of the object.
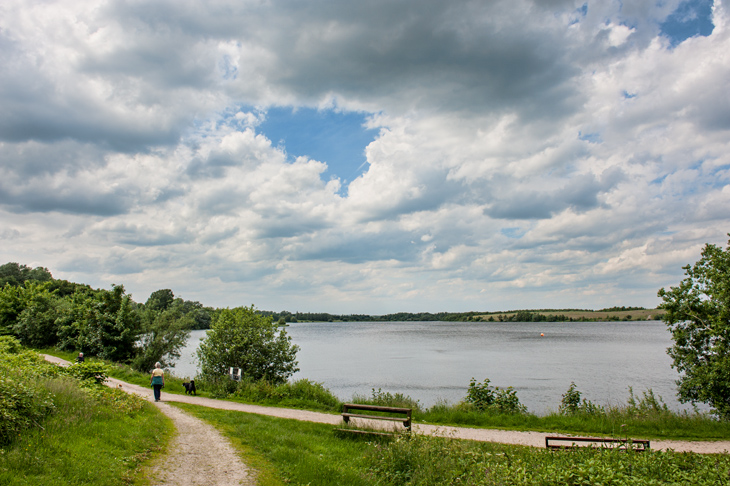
(604, 442)
(375, 417)
(376, 408)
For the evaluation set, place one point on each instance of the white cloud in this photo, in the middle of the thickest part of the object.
(536, 153)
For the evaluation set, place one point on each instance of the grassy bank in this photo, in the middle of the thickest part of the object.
(643, 416)
(87, 434)
(298, 453)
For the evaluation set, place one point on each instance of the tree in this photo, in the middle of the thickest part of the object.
(102, 323)
(16, 274)
(160, 300)
(163, 335)
(243, 339)
(36, 324)
(698, 316)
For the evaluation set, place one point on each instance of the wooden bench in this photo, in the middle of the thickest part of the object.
(555, 442)
(397, 414)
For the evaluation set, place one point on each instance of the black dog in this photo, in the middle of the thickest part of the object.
(189, 387)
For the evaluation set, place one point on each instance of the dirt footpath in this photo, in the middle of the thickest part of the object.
(198, 456)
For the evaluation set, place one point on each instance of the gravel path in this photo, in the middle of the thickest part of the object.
(534, 439)
(198, 456)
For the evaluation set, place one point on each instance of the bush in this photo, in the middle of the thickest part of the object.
(300, 393)
(21, 407)
(387, 399)
(94, 371)
(648, 406)
(486, 398)
(571, 404)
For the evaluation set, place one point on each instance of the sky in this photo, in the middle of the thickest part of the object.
(366, 157)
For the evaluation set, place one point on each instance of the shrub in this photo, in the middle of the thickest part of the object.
(300, 393)
(486, 398)
(571, 404)
(387, 399)
(21, 406)
(9, 345)
(94, 371)
(647, 406)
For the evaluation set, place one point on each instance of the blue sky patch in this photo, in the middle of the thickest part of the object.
(338, 139)
(513, 233)
(692, 17)
(590, 137)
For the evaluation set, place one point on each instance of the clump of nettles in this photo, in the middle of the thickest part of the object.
(23, 402)
(486, 398)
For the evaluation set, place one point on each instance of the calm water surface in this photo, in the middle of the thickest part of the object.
(432, 361)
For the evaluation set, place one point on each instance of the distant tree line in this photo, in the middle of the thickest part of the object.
(508, 316)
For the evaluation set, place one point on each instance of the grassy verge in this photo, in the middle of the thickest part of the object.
(301, 453)
(616, 422)
(91, 435)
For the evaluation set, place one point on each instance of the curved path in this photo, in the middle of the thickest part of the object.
(534, 439)
(198, 455)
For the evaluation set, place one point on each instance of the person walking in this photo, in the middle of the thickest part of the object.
(157, 380)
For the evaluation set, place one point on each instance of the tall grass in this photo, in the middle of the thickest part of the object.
(79, 432)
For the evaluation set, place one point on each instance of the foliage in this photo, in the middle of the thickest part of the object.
(306, 453)
(571, 403)
(425, 461)
(95, 437)
(160, 300)
(36, 324)
(93, 371)
(300, 394)
(21, 406)
(388, 399)
(244, 339)
(15, 274)
(102, 323)
(698, 316)
(486, 398)
(647, 406)
(164, 334)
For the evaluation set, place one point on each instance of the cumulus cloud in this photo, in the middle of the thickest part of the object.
(549, 154)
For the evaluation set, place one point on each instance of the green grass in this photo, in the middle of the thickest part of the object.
(289, 451)
(616, 422)
(91, 438)
(299, 453)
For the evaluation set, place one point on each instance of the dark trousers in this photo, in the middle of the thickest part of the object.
(157, 389)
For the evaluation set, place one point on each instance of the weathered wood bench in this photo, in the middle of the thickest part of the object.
(555, 442)
(397, 414)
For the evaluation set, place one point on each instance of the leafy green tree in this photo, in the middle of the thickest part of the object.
(160, 300)
(36, 324)
(698, 316)
(163, 335)
(16, 274)
(102, 323)
(244, 339)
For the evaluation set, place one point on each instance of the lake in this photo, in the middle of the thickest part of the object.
(432, 361)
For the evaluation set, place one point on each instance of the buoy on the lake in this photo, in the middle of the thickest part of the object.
(542, 334)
